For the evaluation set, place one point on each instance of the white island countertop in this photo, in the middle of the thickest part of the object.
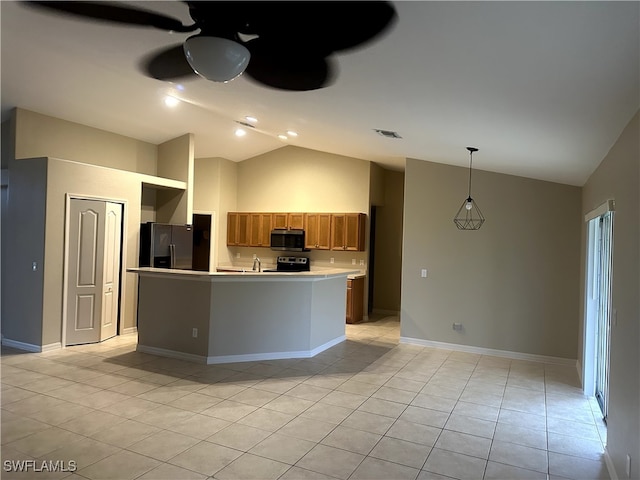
(247, 274)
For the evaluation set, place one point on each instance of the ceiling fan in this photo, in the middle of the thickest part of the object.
(282, 44)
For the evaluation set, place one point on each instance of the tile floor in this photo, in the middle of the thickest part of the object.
(368, 408)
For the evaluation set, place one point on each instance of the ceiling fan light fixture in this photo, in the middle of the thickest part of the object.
(215, 58)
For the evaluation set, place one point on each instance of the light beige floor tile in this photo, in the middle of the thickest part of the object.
(578, 447)
(276, 385)
(307, 429)
(297, 473)
(13, 394)
(133, 387)
(229, 410)
(164, 416)
(125, 433)
(425, 416)
(252, 467)
(374, 469)
(102, 399)
(163, 445)
(476, 410)
(500, 471)
(266, 419)
(456, 465)
(383, 407)
(521, 435)
(21, 427)
(164, 394)
(359, 388)
(344, 399)
(254, 396)
(83, 451)
(43, 442)
(131, 407)
(222, 390)
(283, 448)
(331, 461)
(289, 404)
(308, 392)
(60, 413)
(519, 456)
(166, 471)
(451, 392)
(121, 466)
(239, 437)
(577, 468)
(32, 404)
(394, 395)
(326, 381)
(206, 458)
(353, 440)
(434, 402)
(573, 429)
(402, 452)
(327, 413)
(195, 402)
(92, 422)
(464, 443)
(199, 426)
(413, 432)
(405, 384)
(472, 426)
(522, 419)
(369, 422)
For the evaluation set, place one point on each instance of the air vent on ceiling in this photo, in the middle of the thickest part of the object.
(245, 124)
(387, 133)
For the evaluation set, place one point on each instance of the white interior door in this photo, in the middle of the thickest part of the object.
(111, 270)
(93, 270)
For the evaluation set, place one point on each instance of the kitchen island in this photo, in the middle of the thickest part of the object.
(227, 317)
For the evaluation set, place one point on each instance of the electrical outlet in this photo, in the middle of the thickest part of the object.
(34, 266)
(332, 260)
(255, 256)
(353, 261)
(194, 333)
(457, 326)
(614, 317)
(423, 273)
(238, 255)
(361, 262)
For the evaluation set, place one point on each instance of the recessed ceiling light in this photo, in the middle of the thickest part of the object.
(240, 132)
(282, 137)
(291, 133)
(251, 119)
(170, 101)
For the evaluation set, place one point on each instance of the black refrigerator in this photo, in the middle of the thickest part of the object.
(163, 245)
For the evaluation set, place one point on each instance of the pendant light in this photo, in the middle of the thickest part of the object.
(469, 216)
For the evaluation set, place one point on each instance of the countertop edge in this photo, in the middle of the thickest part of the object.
(247, 275)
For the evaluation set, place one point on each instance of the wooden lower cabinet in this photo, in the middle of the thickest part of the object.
(355, 300)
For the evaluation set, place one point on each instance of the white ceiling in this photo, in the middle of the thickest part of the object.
(543, 89)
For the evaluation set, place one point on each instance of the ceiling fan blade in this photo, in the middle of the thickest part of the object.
(113, 13)
(288, 71)
(167, 64)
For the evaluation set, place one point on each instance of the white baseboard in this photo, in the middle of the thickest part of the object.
(252, 357)
(128, 330)
(381, 311)
(610, 467)
(489, 351)
(30, 347)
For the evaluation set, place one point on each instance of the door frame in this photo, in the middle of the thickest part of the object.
(65, 265)
(590, 311)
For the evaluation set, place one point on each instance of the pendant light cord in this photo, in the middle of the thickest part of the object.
(470, 162)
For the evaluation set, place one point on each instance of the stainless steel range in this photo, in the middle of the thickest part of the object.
(291, 264)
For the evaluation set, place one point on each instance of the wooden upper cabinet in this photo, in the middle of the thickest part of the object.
(260, 229)
(238, 229)
(348, 231)
(288, 220)
(317, 227)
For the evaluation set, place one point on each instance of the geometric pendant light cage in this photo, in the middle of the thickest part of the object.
(469, 216)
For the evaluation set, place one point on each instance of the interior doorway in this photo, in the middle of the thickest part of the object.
(598, 311)
(93, 252)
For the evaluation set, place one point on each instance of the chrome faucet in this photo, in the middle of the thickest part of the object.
(257, 260)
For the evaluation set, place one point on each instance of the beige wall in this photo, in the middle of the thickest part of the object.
(618, 178)
(215, 191)
(175, 161)
(388, 248)
(300, 180)
(43, 136)
(513, 284)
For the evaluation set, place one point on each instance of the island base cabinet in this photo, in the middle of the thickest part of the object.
(355, 300)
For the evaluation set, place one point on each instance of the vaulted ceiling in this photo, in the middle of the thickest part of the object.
(543, 89)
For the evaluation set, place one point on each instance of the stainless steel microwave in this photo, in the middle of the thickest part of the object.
(287, 240)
